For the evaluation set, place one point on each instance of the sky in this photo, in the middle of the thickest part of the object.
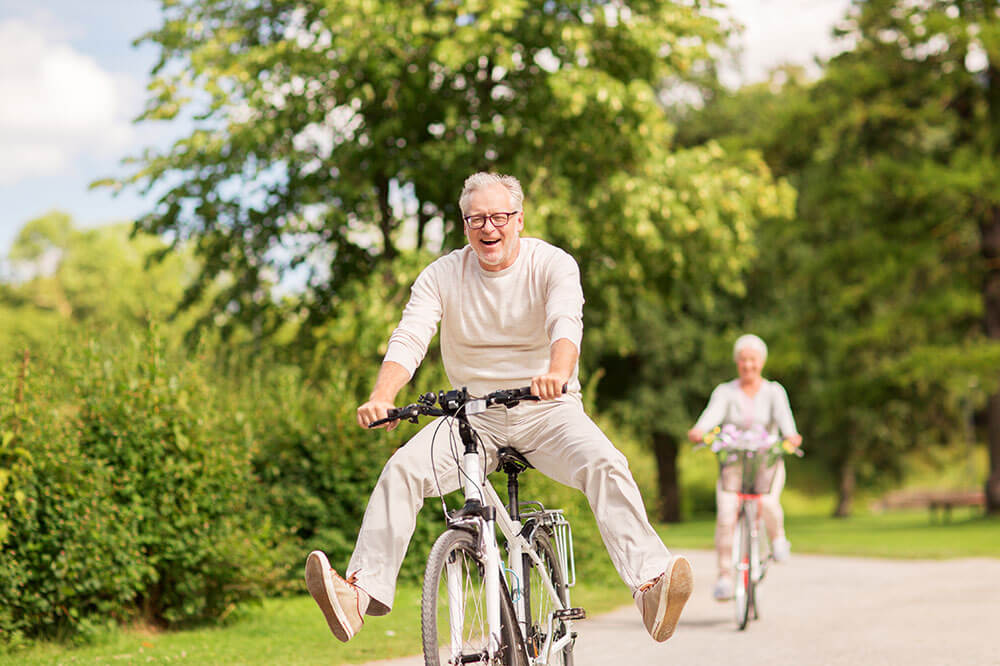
(72, 82)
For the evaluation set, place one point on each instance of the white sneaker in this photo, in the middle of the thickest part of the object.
(781, 549)
(723, 589)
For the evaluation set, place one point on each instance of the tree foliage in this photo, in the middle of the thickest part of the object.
(875, 293)
(331, 136)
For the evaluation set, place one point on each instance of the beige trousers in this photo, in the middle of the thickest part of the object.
(559, 440)
(727, 507)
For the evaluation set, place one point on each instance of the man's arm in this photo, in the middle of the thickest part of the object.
(562, 359)
(391, 378)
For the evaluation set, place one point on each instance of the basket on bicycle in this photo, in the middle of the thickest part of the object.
(747, 461)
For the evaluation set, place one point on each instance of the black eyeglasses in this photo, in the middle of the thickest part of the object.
(498, 219)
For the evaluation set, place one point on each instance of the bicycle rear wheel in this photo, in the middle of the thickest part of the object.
(743, 585)
(453, 607)
(540, 603)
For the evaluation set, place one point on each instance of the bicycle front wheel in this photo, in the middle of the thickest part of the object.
(541, 604)
(453, 607)
(743, 587)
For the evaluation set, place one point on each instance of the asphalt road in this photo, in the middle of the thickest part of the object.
(819, 611)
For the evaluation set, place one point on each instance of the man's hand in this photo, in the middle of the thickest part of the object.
(373, 410)
(391, 377)
(548, 386)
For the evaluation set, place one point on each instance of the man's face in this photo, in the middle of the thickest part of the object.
(495, 247)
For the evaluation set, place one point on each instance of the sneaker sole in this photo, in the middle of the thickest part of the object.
(320, 586)
(676, 591)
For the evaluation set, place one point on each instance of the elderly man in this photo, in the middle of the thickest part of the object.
(511, 314)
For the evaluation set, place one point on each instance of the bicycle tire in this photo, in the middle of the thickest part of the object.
(458, 548)
(539, 603)
(743, 585)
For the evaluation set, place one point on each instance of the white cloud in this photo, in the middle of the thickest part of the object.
(56, 104)
(783, 31)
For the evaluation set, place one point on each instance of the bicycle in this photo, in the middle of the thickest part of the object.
(475, 608)
(748, 460)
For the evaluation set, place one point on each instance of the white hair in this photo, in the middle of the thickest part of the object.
(478, 181)
(750, 341)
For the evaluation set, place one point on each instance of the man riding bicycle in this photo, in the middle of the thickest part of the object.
(510, 311)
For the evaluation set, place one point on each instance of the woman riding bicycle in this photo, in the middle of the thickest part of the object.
(748, 401)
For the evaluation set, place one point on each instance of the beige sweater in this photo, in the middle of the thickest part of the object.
(496, 327)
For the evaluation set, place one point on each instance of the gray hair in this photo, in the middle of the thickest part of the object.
(750, 341)
(478, 181)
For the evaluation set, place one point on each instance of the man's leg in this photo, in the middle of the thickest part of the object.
(562, 442)
(391, 515)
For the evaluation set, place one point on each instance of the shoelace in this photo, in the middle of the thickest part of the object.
(648, 584)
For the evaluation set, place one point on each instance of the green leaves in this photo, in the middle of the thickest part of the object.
(328, 136)
(871, 298)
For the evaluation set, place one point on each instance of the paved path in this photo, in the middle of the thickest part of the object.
(820, 611)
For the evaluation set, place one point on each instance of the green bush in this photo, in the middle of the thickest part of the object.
(182, 473)
(137, 499)
(70, 552)
(317, 468)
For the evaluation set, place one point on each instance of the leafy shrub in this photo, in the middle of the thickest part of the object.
(181, 472)
(70, 552)
(136, 501)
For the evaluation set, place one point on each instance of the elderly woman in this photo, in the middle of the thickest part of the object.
(750, 400)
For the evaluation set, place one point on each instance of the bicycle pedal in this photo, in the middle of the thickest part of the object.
(570, 614)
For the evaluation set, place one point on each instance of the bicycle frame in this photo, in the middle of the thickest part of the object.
(484, 512)
(750, 503)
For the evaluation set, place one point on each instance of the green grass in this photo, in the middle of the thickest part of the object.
(291, 631)
(904, 535)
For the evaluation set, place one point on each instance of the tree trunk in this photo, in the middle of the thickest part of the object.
(989, 229)
(669, 504)
(845, 490)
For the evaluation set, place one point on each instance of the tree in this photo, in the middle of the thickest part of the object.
(97, 278)
(332, 143)
(331, 136)
(893, 153)
(661, 285)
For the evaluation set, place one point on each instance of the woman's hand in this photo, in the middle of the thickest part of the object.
(795, 440)
(696, 435)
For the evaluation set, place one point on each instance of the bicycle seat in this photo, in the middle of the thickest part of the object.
(510, 461)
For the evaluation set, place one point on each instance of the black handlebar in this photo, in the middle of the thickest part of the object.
(450, 403)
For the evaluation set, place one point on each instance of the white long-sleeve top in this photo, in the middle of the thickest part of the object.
(497, 327)
(729, 404)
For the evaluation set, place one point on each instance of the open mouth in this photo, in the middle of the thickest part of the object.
(490, 242)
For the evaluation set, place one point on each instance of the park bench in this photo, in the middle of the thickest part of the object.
(938, 501)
